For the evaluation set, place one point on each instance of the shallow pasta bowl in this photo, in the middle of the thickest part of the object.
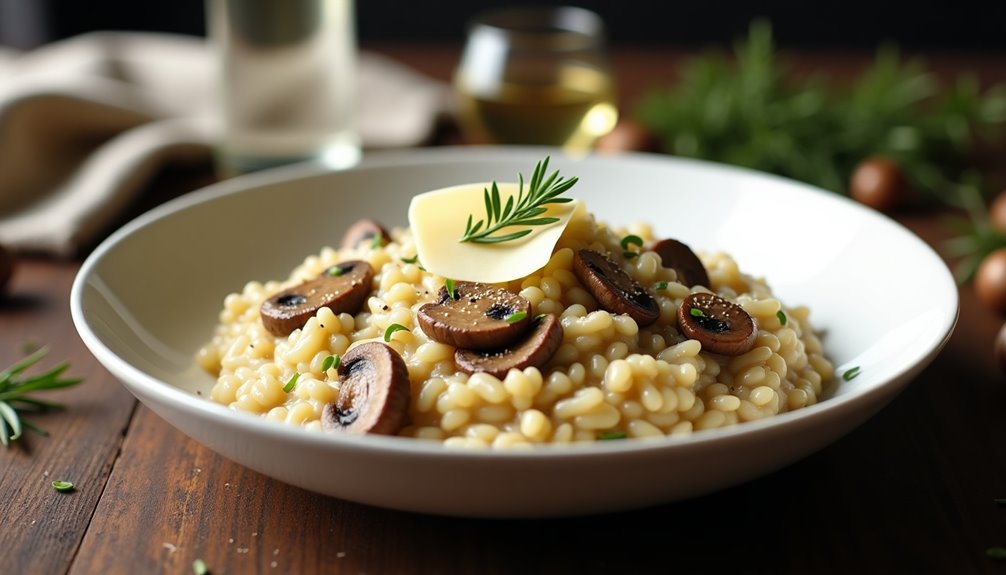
(148, 297)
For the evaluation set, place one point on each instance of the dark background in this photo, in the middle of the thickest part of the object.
(963, 25)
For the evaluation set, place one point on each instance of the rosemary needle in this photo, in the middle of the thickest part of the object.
(15, 388)
(526, 210)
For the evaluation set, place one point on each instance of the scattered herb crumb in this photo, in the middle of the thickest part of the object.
(392, 329)
(293, 381)
(612, 435)
(331, 362)
(782, 317)
(696, 312)
(62, 486)
(660, 286)
(629, 255)
(451, 290)
(851, 373)
(412, 260)
(516, 317)
(199, 567)
(632, 240)
(376, 242)
(335, 271)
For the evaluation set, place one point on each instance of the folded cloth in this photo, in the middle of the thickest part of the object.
(85, 123)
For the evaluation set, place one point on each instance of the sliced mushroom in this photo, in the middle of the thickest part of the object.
(683, 260)
(534, 351)
(721, 326)
(364, 230)
(478, 316)
(614, 289)
(374, 392)
(343, 288)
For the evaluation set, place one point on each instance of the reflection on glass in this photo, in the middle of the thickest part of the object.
(536, 76)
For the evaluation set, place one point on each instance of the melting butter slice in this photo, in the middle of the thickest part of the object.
(438, 221)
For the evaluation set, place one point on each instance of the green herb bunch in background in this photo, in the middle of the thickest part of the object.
(752, 111)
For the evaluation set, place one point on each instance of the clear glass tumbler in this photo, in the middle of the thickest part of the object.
(287, 82)
(536, 75)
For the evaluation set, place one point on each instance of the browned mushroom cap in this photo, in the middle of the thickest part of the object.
(683, 260)
(613, 288)
(535, 350)
(342, 287)
(364, 230)
(719, 325)
(478, 316)
(374, 392)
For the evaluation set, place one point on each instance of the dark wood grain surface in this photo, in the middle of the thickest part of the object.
(911, 491)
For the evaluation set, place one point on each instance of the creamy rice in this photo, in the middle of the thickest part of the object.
(609, 378)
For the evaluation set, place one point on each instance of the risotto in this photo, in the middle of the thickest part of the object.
(607, 376)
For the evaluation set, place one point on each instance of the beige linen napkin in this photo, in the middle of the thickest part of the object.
(86, 122)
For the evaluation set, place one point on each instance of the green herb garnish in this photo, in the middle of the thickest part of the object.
(851, 373)
(781, 317)
(335, 271)
(526, 211)
(411, 260)
(376, 242)
(515, 317)
(451, 289)
(199, 567)
(392, 329)
(293, 381)
(629, 255)
(631, 240)
(660, 286)
(696, 312)
(330, 362)
(62, 486)
(14, 390)
(612, 435)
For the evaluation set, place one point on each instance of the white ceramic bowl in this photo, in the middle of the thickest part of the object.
(148, 297)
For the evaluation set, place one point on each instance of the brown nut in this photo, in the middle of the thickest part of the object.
(721, 326)
(613, 289)
(364, 230)
(478, 316)
(990, 281)
(878, 182)
(680, 257)
(533, 351)
(343, 288)
(374, 393)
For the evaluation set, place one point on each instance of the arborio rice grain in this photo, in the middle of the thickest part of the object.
(608, 379)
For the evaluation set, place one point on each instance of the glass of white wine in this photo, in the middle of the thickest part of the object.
(536, 75)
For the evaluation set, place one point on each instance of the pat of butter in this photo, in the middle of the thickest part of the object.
(438, 220)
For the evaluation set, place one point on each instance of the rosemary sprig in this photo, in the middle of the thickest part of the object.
(526, 211)
(14, 398)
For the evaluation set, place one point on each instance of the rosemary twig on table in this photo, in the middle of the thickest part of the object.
(15, 398)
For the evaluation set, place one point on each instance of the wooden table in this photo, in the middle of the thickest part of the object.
(911, 491)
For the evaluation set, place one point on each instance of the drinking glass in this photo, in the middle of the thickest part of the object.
(287, 70)
(536, 76)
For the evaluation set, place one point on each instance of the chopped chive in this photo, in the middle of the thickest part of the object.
(199, 567)
(293, 381)
(631, 240)
(335, 271)
(62, 486)
(451, 290)
(376, 242)
(782, 317)
(411, 260)
(392, 329)
(629, 255)
(330, 362)
(850, 373)
(696, 312)
(660, 286)
(612, 435)
(516, 317)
